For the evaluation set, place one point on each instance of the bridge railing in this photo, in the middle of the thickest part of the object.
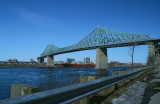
(73, 93)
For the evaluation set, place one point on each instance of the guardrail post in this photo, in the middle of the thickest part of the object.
(85, 79)
(21, 90)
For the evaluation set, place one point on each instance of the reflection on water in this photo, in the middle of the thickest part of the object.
(49, 78)
(60, 77)
(52, 79)
(101, 73)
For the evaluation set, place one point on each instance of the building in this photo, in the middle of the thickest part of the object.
(114, 63)
(70, 61)
(79, 62)
(87, 60)
(32, 60)
(10, 61)
(59, 62)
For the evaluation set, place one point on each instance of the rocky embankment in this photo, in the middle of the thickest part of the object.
(144, 92)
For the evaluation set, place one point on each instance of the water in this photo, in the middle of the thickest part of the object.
(45, 78)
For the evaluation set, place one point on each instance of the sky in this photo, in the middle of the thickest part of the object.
(28, 26)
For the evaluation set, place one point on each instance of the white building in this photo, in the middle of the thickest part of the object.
(87, 60)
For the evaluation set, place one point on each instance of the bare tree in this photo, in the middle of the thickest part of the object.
(132, 48)
(131, 52)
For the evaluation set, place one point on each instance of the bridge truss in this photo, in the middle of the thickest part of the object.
(100, 36)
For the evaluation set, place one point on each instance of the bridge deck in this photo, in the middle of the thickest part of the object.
(144, 42)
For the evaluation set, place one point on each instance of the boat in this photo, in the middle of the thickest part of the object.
(76, 65)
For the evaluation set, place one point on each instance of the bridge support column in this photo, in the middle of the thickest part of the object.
(50, 60)
(41, 60)
(157, 59)
(101, 59)
(157, 53)
(153, 53)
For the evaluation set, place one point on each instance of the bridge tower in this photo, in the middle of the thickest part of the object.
(50, 60)
(101, 59)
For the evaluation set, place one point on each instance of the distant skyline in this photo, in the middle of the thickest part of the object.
(28, 26)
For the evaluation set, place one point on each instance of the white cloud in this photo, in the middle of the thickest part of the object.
(36, 19)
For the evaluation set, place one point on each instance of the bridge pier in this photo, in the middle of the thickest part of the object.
(50, 60)
(157, 60)
(101, 59)
(153, 53)
(157, 53)
(40, 60)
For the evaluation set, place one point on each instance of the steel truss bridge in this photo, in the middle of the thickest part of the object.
(100, 37)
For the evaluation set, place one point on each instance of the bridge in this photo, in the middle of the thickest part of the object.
(100, 39)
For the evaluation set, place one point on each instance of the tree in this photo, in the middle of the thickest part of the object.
(131, 52)
(132, 48)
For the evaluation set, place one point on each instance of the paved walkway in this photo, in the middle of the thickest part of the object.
(147, 92)
(152, 92)
(133, 94)
(155, 99)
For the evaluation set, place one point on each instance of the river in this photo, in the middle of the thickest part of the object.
(45, 78)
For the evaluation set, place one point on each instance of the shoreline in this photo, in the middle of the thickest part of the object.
(42, 66)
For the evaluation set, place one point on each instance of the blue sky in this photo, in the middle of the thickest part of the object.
(28, 26)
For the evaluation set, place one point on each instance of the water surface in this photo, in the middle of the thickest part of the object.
(45, 78)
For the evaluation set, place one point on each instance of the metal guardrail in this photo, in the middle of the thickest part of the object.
(72, 93)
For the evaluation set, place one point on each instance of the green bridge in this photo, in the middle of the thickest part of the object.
(101, 39)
